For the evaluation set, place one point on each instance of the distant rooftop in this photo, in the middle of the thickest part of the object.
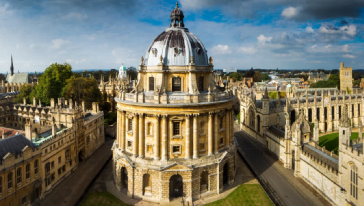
(47, 135)
(14, 145)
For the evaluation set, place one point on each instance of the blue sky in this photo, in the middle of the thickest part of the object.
(102, 34)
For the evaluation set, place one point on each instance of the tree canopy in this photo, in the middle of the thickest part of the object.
(264, 77)
(235, 76)
(85, 89)
(25, 91)
(249, 73)
(256, 77)
(52, 83)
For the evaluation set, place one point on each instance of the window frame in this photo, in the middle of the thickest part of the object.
(18, 175)
(176, 84)
(201, 83)
(151, 83)
(10, 180)
(27, 171)
(36, 167)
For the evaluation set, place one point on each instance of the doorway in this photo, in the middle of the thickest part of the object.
(175, 186)
(293, 160)
(225, 178)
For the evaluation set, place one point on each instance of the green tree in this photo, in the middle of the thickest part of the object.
(323, 84)
(25, 91)
(335, 79)
(52, 83)
(2, 77)
(257, 77)
(85, 89)
(264, 77)
(249, 73)
(235, 76)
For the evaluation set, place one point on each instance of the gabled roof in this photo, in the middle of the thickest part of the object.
(18, 78)
(14, 145)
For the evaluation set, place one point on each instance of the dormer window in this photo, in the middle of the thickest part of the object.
(151, 83)
(154, 52)
(176, 84)
(198, 51)
(200, 83)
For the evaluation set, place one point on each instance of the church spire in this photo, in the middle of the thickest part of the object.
(11, 66)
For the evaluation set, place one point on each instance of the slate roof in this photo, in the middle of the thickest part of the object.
(329, 160)
(14, 145)
(275, 131)
(18, 78)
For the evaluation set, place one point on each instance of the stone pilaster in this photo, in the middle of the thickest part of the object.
(122, 136)
(210, 134)
(141, 135)
(227, 127)
(195, 136)
(164, 137)
(188, 137)
(216, 133)
(135, 135)
(156, 136)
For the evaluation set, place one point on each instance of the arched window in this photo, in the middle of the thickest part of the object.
(354, 181)
(18, 175)
(149, 128)
(10, 180)
(130, 125)
(36, 167)
(202, 127)
(27, 171)
(221, 122)
(176, 84)
(151, 83)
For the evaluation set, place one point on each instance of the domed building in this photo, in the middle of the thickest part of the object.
(175, 128)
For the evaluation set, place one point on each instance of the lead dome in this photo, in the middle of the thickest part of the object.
(176, 45)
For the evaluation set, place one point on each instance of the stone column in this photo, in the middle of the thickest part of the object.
(227, 127)
(216, 135)
(232, 126)
(156, 153)
(135, 135)
(118, 130)
(188, 137)
(141, 135)
(164, 138)
(195, 136)
(122, 136)
(210, 134)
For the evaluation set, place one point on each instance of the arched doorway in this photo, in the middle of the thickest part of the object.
(225, 177)
(147, 185)
(325, 113)
(318, 114)
(124, 178)
(204, 182)
(175, 186)
(258, 123)
(325, 126)
(293, 159)
(251, 118)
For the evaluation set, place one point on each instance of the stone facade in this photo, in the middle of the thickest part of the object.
(175, 135)
(346, 77)
(284, 127)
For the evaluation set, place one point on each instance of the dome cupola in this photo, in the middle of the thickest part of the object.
(177, 17)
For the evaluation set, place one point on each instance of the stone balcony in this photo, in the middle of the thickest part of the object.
(174, 97)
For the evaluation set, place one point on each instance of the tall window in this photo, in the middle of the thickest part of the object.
(221, 122)
(48, 167)
(354, 181)
(176, 130)
(10, 180)
(149, 129)
(176, 84)
(130, 125)
(200, 83)
(27, 171)
(151, 83)
(18, 175)
(36, 167)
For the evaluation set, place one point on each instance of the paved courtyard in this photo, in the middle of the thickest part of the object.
(72, 187)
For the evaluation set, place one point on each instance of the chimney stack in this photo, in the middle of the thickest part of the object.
(40, 103)
(3, 136)
(70, 102)
(24, 101)
(83, 105)
(28, 130)
(94, 107)
(34, 102)
(54, 129)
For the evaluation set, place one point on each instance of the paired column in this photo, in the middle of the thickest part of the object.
(141, 135)
(188, 137)
(227, 127)
(210, 134)
(156, 135)
(216, 148)
(135, 135)
(195, 135)
(164, 138)
(122, 131)
(231, 126)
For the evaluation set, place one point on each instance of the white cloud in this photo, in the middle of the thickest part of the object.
(221, 49)
(346, 48)
(314, 46)
(316, 62)
(290, 12)
(58, 43)
(350, 30)
(328, 46)
(76, 16)
(4, 10)
(247, 50)
(309, 29)
(263, 39)
(349, 56)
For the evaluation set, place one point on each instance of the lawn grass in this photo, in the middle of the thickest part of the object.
(331, 141)
(101, 199)
(249, 194)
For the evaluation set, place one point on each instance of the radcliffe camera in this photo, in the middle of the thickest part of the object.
(187, 103)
